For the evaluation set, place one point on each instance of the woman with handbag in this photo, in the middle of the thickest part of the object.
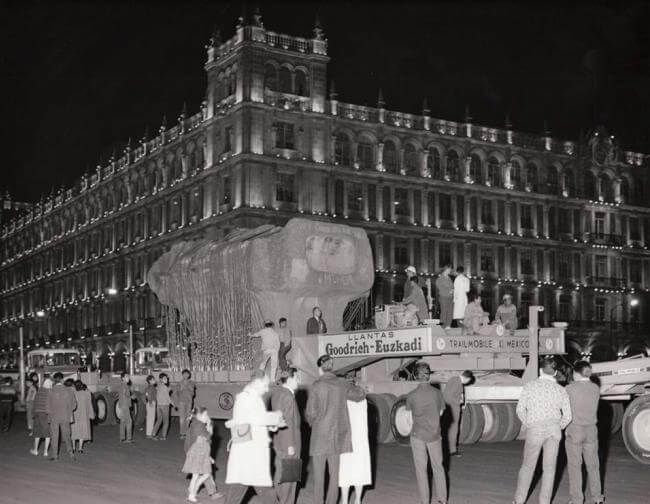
(288, 440)
(198, 461)
(249, 460)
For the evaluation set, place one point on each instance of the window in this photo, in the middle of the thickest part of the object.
(527, 301)
(284, 135)
(599, 225)
(284, 188)
(526, 217)
(487, 259)
(565, 308)
(444, 254)
(531, 176)
(342, 150)
(486, 212)
(433, 163)
(355, 197)
(475, 168)
(339, 188)
(401, 202)
(601, 266)
(226, 190)
(390, 157)
(227, 139)
(564, 266)
(569, 183)
(285, 80)
(566, 218)
(634, 229)
(453, 167)
(526, 262)
(494, 172)
(445, 206)
(270, 78)
(401, 253)
(599, 312)
(635, 271)
(515, 175)
(365, 155)
(302, 89)
(552, 180)
(411, 160)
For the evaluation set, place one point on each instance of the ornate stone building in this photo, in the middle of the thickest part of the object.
(560, 223)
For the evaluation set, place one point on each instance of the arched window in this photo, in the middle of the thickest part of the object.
(453, 172)
(591, 186)
(551, 180)
(531, 176)
(342, 150)
(225, 86)
(494, 172)
(433, 163)
(219, 89)
(178, 167)
(390, 157)
(476, 168)
(233, 84)
(411, 160)
(366, 155)
(302, 88)
(569, 182)
(625, 190)
(606, 188)
(270, 77)
(638, 192)
(515, 174)
(285, 80)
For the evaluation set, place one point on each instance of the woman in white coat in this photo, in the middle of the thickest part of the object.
(249, 460)
(461, 288)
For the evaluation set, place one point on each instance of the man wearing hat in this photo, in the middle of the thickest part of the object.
(410, 272)
(507, 314)
(270, 347)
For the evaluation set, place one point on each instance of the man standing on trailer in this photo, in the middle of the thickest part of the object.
(582, 435)
(445, 292)
(544, 409)
(426, 405)
(410, 272)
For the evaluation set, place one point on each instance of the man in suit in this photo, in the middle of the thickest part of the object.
(286, 441)
(327, 413)
(61, 403)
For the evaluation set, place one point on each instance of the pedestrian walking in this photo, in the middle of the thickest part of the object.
(150, 394)
(327, 413)
(445, 292)
(198, 444)
(163, 402)
(61, 404)
(355, 469)
(32, 388)
(249, 459)
(269, 349)
(581, 441)
(287, 442)
(186, 393)
(42, 418)
(453, 394)
(316, 324)
(544, 410)
(461, 288)
(83, 414)
(7, 400)
(124, 402)
(427, 405)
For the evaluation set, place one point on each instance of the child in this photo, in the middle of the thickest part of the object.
(150, 395)
(198, 462)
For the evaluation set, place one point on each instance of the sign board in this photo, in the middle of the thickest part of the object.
(433, 340)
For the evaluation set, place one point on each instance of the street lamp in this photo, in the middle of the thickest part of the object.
(633, 302)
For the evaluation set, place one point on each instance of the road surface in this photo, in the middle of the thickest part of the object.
(149, 472)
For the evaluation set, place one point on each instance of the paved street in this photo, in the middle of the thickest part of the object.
(149, 472)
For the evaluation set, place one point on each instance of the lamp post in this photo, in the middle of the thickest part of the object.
(633, 302)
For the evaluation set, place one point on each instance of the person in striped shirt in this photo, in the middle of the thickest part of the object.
(544, 410)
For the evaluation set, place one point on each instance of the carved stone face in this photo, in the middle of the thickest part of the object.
(331, 254)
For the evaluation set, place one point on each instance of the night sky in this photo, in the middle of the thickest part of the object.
(79, 79)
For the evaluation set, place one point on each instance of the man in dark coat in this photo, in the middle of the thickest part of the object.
(327, 413)
(287, 442)
(61, 402)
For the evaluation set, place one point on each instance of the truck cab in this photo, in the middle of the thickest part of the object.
(151, 360)
(52, 360)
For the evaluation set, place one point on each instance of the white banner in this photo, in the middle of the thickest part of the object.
(403, 341)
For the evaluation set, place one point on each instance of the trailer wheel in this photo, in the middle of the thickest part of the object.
(100, 405)
(495, 425)
(380, 406)
(401, 421)
(139, 410)
(617, 417)
(471, 424)
(636, 429)
(514, 424)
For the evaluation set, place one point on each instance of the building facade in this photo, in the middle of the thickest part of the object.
(558, 223)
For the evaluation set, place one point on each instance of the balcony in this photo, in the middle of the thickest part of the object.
(612, 240)
(606, 282)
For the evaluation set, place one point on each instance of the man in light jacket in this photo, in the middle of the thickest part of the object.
(61, 404)
(461, 288)
(327, 413)
(249, 460)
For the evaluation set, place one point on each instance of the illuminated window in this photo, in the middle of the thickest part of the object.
(401, 202)
(284, 188)
(342, 150)
(365, 155)
(391, 163)
(355, 197)
(285, 138)
(487, 260)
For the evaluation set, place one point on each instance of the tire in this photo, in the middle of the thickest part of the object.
(139, 410)
(116, 413)
(495, 423)
(610, 417)
(472, 422)
(379, 416)
(401, 422)
(617, 417)
(101, 406)
(636, 429)
(514, 424)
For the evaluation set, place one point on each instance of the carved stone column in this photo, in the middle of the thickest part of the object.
(380, 157)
